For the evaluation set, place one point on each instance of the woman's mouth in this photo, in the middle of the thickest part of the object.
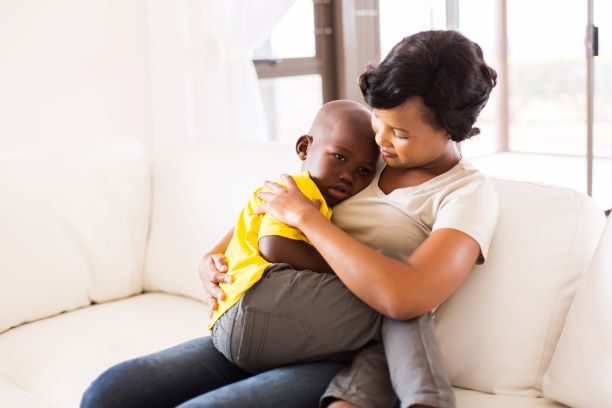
(385, 153)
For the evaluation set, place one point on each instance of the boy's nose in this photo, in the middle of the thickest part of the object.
(346, 177)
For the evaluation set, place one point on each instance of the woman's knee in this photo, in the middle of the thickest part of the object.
(115, 386)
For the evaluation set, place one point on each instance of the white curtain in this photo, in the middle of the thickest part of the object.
(204, 84)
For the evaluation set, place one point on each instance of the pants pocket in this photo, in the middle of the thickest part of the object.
(269, 339)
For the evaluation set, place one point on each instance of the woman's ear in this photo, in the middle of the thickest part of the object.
(302, 145)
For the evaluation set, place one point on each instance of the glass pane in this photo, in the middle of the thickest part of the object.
(602, 125)
(400, 18)
(547, 76)
(477, 21)
(293, 36)
(291, 104)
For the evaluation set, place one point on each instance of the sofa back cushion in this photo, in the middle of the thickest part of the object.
(198, 193)
(580, 373)
(74, 220)
(499, 330)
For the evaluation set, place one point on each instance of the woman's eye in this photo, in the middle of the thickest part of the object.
(339, 157)
(398, 135)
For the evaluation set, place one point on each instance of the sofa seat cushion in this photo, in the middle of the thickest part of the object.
(55, 359)
(475, 399)
(13, 396)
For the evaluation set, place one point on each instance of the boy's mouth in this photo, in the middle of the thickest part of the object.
(339, 192)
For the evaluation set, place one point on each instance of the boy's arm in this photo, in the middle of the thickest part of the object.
(296, 253)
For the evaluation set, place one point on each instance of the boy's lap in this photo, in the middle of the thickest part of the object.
(292, 316)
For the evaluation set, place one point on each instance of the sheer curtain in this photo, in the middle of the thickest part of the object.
(204, 84)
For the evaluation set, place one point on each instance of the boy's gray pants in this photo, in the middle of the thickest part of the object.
(295, 316)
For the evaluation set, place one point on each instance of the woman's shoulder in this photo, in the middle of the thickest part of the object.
(465, 175)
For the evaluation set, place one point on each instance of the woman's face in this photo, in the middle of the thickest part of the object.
(406, 140)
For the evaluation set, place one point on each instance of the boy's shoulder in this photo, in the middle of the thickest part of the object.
(307, 185)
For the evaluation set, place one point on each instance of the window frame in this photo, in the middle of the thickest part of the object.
(322, 63)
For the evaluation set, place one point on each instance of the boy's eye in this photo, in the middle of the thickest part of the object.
(365, 170)
(339, 157)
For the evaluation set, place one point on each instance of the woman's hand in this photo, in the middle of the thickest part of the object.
(212, 271)
(288, 205)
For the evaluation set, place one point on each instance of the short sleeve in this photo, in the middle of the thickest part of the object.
(471, 209)
(271, 226)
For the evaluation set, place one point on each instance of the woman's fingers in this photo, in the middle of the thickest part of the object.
(212, 271)
(220, 265)
(289, 181)
(273, 186)
(213, 306)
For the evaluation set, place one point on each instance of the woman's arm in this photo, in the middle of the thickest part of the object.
(298, 254)
(213, 270)
(398, 289)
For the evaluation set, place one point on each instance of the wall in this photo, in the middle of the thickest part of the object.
(73, 69)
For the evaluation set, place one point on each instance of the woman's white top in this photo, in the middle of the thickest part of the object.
(395, 224)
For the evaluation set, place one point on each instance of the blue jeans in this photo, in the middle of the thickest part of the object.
(195, 374)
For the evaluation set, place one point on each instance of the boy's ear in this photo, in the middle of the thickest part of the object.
(302, 145)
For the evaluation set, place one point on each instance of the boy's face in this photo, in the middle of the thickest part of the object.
(341, 160)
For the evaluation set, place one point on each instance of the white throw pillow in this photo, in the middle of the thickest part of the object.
(198, 192)
(580, 373)
(499, 330)
(74, 219)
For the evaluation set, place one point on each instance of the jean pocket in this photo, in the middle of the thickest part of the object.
(270, 339)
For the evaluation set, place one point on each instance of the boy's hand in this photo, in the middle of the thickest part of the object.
(212, 271)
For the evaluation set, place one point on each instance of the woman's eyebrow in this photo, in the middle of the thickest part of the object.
(393, 127)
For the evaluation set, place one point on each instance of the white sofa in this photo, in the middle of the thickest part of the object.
(99, 243)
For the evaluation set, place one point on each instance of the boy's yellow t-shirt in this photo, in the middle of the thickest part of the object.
(245, 264)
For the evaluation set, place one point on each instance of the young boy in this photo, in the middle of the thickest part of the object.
(339, 157)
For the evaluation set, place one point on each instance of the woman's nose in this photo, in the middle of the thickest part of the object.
(381, 137)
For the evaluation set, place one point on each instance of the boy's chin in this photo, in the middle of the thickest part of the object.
(332, 201)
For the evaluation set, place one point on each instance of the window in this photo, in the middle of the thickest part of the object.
(534, 127)
(296, 68)
(476, 18)
(602, 115)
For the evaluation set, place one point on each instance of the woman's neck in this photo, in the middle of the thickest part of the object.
(397, 177)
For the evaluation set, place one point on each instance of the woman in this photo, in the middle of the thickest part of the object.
(403, 245)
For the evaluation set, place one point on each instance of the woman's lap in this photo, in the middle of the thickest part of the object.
(297, 386)
(189, 371)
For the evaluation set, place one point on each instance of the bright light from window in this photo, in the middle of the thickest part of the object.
(293, 36)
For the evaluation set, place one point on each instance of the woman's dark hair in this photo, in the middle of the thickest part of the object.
(445, 69)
